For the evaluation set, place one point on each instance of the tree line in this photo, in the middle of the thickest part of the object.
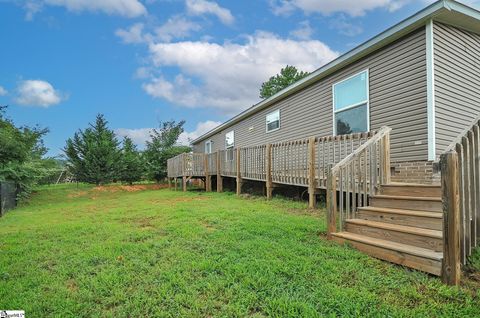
(95, 155)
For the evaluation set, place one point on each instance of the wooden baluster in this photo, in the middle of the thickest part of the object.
(331, 203)
(468, 200)
(347, 192)
(268, 164)
(476, 221)
(451, 218)
(473, 181)
(340, 208)
(238, 171)
(461, 168)
(312, 202)
(354, 188)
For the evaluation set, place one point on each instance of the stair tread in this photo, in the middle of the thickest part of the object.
(436, 215)
(404, 197)
(398, 228)
(420, 185)
(398, 247)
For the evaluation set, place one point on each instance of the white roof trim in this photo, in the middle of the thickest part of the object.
(382, 39)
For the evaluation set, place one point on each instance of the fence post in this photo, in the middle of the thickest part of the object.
(268, 170)
(386, 159)
(208, 185)
(331, 202)
(239, 175)
(312, 200)
(219, 173)
(451, 218)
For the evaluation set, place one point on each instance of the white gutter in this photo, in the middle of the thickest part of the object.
(430, 91)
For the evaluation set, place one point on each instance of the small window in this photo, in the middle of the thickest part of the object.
(208, 146)
(350, 105)
(230, 139)
(273, 121)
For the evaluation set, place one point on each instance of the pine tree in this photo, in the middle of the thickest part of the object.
(93, 155)
(131, 162)
(163, 146)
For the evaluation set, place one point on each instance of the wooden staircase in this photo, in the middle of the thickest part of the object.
(402, 225)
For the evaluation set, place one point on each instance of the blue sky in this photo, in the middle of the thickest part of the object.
(141, 62)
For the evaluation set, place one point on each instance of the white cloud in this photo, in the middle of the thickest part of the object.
(126, 8)
(141, 135)
(202, 128)
(353, 8)
(38, 93)
(176, 27)
(228, 76)
(201, 7)
(304, 31)
(132, 35)
(3, 91)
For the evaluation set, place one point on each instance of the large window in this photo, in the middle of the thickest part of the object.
(350, 105)
(273, 121)
(208, 146)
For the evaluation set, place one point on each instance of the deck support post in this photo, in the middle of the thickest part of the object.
(208, 178)
(239, 175)
(169, 183)
(312, 200)
(184, 184)
(451, 271)
(175, 182)
(268, 170)
(331, 203)
(219, 173)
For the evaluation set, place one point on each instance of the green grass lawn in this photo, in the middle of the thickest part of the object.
(109, 252)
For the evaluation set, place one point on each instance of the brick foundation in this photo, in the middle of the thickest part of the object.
(425, 172)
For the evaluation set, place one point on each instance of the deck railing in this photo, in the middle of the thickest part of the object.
(355, 177)
(303, 162)
(460, 168)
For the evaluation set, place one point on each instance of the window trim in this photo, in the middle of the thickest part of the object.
(367, 101)
(232, 146)
(208, 142)
(279, 121)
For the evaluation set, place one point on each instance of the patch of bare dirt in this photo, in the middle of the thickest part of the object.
(72, 285)
(77, 194)
(129, 188)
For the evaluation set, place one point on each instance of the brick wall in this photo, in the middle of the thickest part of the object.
(425, 172)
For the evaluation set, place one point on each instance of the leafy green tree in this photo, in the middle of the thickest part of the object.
(93, 155)
(22, 154)
(287, 76)
(131, 162)
(163, 146)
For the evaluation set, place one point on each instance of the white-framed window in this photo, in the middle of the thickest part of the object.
(273, 121)
(208, 146)
(351, 105)
(229, 144)
(230, 139)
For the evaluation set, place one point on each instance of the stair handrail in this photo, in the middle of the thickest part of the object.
(359, 173)
(460, 182)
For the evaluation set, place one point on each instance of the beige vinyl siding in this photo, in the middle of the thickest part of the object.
(457, 82)
(397, 80)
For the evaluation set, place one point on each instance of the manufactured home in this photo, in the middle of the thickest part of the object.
(421, 78)
(378, 128)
